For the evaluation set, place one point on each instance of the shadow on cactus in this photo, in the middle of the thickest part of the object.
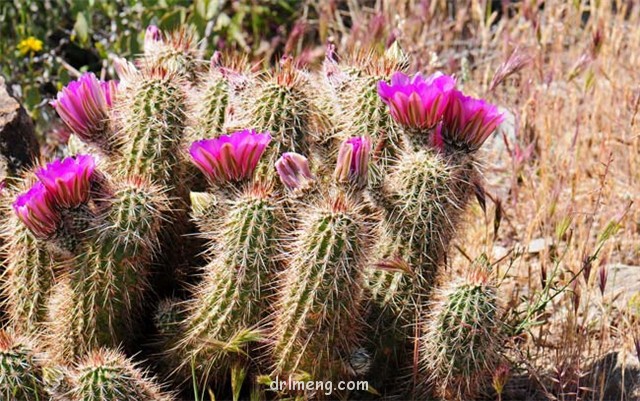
(326, 200)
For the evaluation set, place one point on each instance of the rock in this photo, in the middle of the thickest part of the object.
(499, 252)
(615, 376)
(538, 245)
(623, 282)
(18, 143)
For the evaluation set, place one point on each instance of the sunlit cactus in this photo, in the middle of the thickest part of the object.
(324, 202)
(462, 341)
(96, 302)
(107, 375)
(317, 318)
(283, 105)
(222, 318)
(100, 234)
(175, 51)
(21, 370)
(29, 268)
(150, 124)
(351, 93)
(317, 321)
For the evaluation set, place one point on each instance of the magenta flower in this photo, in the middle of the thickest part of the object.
(469, 121)
(84, 105)
(230, 157)
(36, 210)
(293, 170)
(417, 102)
(68, 180)
(353, 160)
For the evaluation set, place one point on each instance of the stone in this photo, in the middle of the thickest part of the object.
(538, 245)
(18, 143)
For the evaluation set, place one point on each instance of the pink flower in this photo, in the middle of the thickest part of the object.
(293, 170)
(230, 157)
(417, 102)
(152, 37)
(84, 105)
(353, 160)
(68, 180)
(469, 121)
(36, 210)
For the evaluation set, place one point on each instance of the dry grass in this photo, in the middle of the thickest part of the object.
(566, 172)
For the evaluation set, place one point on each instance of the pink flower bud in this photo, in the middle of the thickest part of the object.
(294, 171)
(353, 160)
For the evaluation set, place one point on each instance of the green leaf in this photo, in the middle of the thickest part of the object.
(172, 20)
(81, 28)
(207, 9)
(609, 231)
(238, 374)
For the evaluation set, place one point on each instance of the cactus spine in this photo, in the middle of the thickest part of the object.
(231, 300)
(176, 52)
(317, 323)
(461, 343)
(151, 124)
(358, 109)
(96, 300)
(21, 374)
(28, 279)
(106, 375)
(284, 108)
(208, 103)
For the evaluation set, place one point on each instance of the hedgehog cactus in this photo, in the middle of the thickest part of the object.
(103, 238)
(209, 103)
(316, 321)
(284, 105)
(175, 52)
(26, 290)
(460, 346)
(151, 124)
(328, 202)
(107, 375)
(231, 299)
(21, 373)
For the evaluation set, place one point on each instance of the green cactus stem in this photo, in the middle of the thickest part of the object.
(151, 122)
(107, 375)
(462, 341)
(96, 301)
(21, 373)
(317, 316)
(285, 107)
(232, 299)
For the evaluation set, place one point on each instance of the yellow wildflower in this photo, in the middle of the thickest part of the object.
(29, 45)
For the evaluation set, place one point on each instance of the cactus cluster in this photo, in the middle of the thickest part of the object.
(326, 201)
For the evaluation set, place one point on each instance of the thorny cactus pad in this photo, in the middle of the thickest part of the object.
(331, 201)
